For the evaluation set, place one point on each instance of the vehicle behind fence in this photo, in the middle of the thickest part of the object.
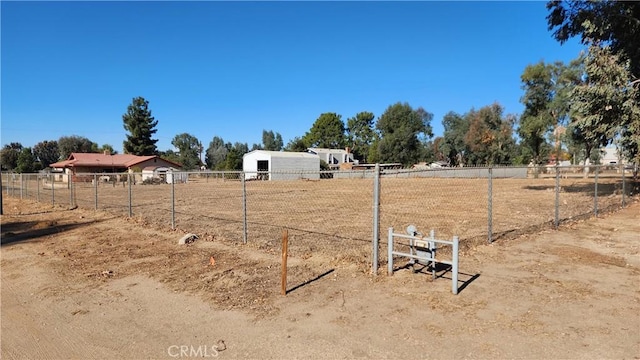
(341, 214)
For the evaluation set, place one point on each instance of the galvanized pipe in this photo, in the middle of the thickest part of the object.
(173, 203)
(244, 208)
(130, 204)
(454, 266)
(490, 207)
(556, 220)
(376, 219)
(1, 200)
(623, 185)
(595, 193)
(390, 252)
(95, 190)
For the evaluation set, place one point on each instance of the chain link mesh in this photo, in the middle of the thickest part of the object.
(331, 213)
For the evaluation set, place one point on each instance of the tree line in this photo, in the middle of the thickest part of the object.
(570, 111)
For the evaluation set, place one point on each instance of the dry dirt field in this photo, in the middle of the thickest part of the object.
(334, 217)
(81, 284)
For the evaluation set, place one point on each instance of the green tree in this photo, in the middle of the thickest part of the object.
(453, 146)
(77, 144)
(297, 144)
(170, 155)
(547, 100)
(234, 155)
(490, 136)
(216, 154)
(361, 134)
(605, 106)
(189, 150)
(108, 149)
(578, 145)
(327, 132)
(9, 155)
(374, 156)
(432, 150)
(141, 127)
(46, 152)
(536, 121)
(400, 129)
(27, 163)
(612, 23)
(271, 141)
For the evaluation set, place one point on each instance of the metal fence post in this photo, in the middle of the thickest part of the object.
(490, 206)
(70, 186)
(595, 193)
(173, 203)
(376, 218)
(390, 252)
(37, 187)
(623, 185)
(95, 190)
(1, 199)
(244, 207)
(556, 220)
(454, 265)
(129, 183)
(22, 185)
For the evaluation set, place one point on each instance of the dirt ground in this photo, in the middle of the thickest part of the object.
(81, 284)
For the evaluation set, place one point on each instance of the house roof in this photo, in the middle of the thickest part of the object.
(104, 160)
(325, 150)
(286, 154)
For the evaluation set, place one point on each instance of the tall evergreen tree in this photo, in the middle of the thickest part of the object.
(141, 127)
(271, 141)
(326, 132)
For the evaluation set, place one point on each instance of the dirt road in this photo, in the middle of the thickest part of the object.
(87, 285)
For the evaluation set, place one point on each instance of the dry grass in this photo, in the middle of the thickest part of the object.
(335, 216)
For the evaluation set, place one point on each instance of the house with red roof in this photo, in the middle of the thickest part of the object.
(91, 163)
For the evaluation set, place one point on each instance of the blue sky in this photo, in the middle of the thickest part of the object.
(232, 69)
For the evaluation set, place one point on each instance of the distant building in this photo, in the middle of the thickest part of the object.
(168, 175)
(334, 157)
(610, 156)
(79, 163)
(280, 165)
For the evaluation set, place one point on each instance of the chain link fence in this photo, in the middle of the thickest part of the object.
(342, 215)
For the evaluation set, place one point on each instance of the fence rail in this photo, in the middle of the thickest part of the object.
(332, 213)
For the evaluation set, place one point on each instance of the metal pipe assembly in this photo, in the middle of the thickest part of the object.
(423, 249)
